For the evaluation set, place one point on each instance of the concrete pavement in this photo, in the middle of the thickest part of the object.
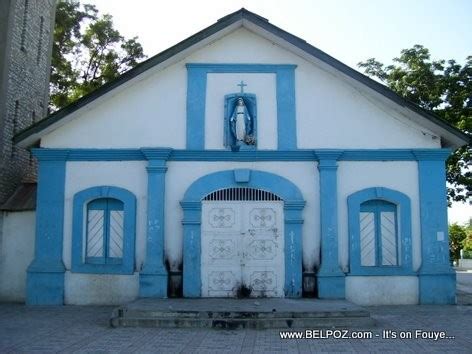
(85, 329)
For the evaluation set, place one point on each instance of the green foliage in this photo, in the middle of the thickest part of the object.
(457, 235)
(445, 88)
(467, 242)
(87, 52)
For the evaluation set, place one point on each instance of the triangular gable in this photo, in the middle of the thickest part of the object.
(451, 136)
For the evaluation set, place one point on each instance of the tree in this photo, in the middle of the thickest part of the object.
(440, 87)
(87, 52)
(457, 236)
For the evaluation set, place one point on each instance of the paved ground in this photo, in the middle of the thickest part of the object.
(84, 329)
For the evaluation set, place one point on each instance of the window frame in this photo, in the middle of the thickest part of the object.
(80, 263)
(403, 231)
(377, 207)
(110, 204)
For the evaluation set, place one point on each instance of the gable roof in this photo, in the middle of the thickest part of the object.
(452, 137)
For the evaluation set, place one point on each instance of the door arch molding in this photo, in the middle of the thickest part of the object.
(293, 221)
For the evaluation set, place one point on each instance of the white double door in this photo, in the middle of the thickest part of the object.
(242, 248)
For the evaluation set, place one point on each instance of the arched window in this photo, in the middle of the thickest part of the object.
(103, 231)
(380, 232)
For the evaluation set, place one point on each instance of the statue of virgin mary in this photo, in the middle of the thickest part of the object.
(240, 122)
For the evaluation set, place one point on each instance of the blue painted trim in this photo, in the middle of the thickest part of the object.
(437, 278)
(81, 199)
(330, 278)
(293, 206)
(285, 96)
(45, 275)
(242, 175)
(286, 117)
(153, 277)
(259, 155)
(402, 202)
(196, 97)
(240, 68)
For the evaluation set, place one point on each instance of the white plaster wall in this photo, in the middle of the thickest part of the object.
(382, 290)
(149, 113)
(180, 175)
(262, 85)
(130, 175)
(399, 175)
(465, 263)
(100, 289)
(331, 113)
(16, 253)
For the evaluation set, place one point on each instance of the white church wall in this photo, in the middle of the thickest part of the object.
(382, 290)
(403, 177)
(180, 175)
(16, 253)
(100, 289)
(88, 288)
(262, 85)
(330, 112)
(399, 175)
(130, 175)
(151, 112)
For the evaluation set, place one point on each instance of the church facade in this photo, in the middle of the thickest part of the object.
(241, 162)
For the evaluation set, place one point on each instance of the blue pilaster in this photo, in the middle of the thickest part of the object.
(330, 278)
(153, 276)
(437, 279)
(45, 275)
(293, 248)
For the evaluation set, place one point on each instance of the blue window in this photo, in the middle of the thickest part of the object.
(379, 232)
(103, 231)
(105, 222)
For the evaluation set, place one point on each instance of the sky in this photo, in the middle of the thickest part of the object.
(349, 30)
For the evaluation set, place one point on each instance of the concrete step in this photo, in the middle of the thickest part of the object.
(246, 313)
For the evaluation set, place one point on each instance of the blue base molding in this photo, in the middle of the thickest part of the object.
(331, 286)
(437, 289)
(44, 288)
(153, 285)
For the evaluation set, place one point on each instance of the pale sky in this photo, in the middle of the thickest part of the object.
(350, 31)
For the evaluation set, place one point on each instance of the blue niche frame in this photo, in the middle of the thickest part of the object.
(229, 140)
(79, 208)
(285, 96)
(192, 207)
(402, 202)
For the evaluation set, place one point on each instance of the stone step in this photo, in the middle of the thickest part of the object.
(246, 313)
(241, 323)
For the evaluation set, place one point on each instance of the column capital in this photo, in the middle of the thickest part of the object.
(327, 154)
(156, 153)
(431, 154)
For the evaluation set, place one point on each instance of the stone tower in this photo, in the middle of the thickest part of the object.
(26, 33)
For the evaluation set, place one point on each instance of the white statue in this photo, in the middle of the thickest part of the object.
(240, 121)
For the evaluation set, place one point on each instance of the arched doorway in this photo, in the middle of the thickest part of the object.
(242, 243)
(238, 186)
